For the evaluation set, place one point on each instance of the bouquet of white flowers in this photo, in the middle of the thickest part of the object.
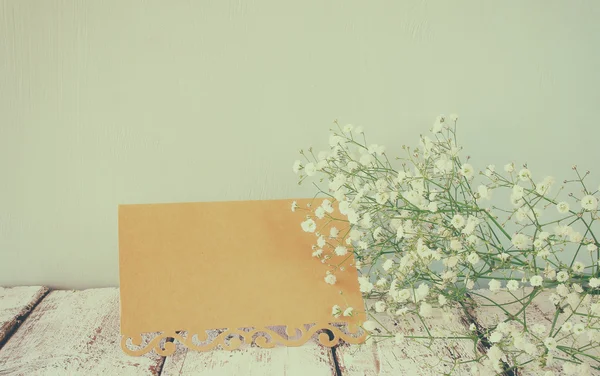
(431, 234)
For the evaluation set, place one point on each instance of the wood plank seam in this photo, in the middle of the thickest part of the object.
(22, 316)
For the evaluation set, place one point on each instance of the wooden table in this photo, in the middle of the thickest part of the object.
(61, 332)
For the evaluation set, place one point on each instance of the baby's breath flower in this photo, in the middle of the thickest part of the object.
(320, 212)
(512, 285)
(578, 329)
(310, 169)
(340, 250)
(589, 202)
(309, 225)
(387, 265)
(401, 311)
(297, 166)
(380, 306)
(562, 276)
(566, 327)
(550, 343)
(521, 241)
(467, 171)
(525, 174)
(495, 337)
(472, 327)
(317, 253)
(348, 311)
(510, 167)
(331, 279)
(494, 285)
(594, 282)
(442, 300)
(539, 329)
(562, 207)
(333, 232)
(294, 206)
(473, 258)
(536, 280)
(592, 247)
(336, 311)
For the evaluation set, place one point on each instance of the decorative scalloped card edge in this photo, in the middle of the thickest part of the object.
(236, 264)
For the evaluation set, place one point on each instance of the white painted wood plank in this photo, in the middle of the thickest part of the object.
(410, 357)
(15, 305)
(310, 359)
(74, 333)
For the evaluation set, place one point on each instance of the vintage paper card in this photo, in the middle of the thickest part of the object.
(193, 267)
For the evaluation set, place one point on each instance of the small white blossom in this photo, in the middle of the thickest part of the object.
(317, 253)
(331, 279)
(336, 311)
(525, 174)
(592, 247)
(442, 300)
(438, 124)
(340, 250)
(536, 280)
(512, 285)
(589, 202)
(310, 169)
(380, 306)
(458, 221)
(348, 311)
(297, 166)
(472, 327)
(369, 325)
(550, 343)
(294, 206)
(562, 207)
(562, 276)
(578, 267)
(473, 258)
(510, 167)
(320, 212)
(309, 225)
(467, 171)
(334, 232)
(539, 329)
(387, 265)
(521, 241)
(594, 282)
(483, 191)
(566, 327)
(401, 311)
(494, 285)
(495, 337)
(578, 329)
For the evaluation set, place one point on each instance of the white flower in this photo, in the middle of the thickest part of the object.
(562, 276)
(438, 124)
(467, 171)
(442, 300)
(294, 206)
(297, 166)
(517, 192)
(381, 282)
(524, 174)
(402, 295)
(380, 306)
(495, 337)
(536, 280)
(578, 267)
(331, 279)
(326, 205)
(348, 311)
(472, 327)
(334, 232)
(399, 338)
(387, 265)
(320, 212)
(336, 311)
(509, 167)
(352, 165)
(310, 169)
(321, 241)
(592, 247)
(562, 207)
(512, 285)
(473, 258)
(575, 237)
(494, 285)
(401, 311)
(421, 292)
(317, 253)
(550, 343)
(589, 202)
(309, 225)
(521, 241)
(369, 325)
(562, 290)
(483, 191)
(365, 285)
(470, 284)
(340, 250)
(425, 309)
(458, 221)
(594, 282)
(566, 327)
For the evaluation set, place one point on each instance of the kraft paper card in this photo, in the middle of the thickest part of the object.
(231, 269)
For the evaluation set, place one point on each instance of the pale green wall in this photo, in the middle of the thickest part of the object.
(109, 102)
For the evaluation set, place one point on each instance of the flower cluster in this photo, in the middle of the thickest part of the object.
(435, 235)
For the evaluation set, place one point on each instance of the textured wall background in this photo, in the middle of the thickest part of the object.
(104, 103)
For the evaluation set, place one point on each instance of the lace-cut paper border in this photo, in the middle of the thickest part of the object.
(231, 339)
